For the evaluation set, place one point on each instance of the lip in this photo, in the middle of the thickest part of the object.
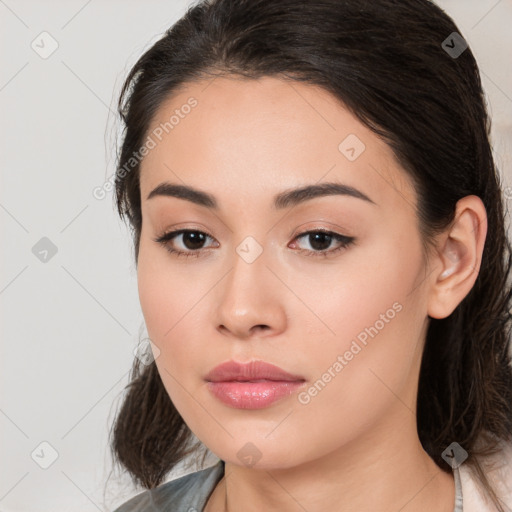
(253, 370)
(252, 385)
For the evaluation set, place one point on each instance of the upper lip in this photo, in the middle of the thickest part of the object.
(253, 370)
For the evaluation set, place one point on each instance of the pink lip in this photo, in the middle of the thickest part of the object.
(253, 370)
(253, 385)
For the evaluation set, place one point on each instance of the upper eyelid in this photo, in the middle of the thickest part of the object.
(174, 233)
(337, 229)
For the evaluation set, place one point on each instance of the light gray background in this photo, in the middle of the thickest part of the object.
(70, 325)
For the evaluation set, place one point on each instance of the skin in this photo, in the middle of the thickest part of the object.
(355, 445)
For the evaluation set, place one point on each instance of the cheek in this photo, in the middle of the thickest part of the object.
(171, 305)
(165, 293)
(165, 303)
(348, 300)
(373, 321)
(362, 374)
(156, 300)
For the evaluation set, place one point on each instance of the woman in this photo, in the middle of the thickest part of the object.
(322, 263)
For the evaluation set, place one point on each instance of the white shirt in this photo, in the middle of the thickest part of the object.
(498, 470)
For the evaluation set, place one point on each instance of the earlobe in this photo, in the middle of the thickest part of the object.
(459, 258)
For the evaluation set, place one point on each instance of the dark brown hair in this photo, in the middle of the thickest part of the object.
(385, 60)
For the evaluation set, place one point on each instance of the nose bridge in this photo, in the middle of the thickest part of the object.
(248, 297)
(247, 275)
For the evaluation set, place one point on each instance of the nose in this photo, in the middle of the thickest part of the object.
(251, 301)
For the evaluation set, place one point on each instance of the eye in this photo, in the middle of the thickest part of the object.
(193, 241)
(320, 239)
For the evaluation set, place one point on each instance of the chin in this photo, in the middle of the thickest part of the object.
(259, 455)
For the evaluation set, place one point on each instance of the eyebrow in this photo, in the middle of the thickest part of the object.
(282, 200)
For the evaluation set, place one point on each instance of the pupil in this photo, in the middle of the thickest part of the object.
(322, 237)
(195, 238)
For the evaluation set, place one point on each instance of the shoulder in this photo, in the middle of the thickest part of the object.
(188, 493)
(498, 470)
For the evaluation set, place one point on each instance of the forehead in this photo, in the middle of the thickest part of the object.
(255, 136)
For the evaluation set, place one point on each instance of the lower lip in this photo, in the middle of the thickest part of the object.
(253, 395)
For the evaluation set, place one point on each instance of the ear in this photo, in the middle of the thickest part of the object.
(459, 257)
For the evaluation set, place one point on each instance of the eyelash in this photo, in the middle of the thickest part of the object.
(345, 242)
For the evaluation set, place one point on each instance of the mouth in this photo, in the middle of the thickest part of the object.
(253, 385)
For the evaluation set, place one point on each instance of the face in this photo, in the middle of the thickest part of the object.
(329, 288)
